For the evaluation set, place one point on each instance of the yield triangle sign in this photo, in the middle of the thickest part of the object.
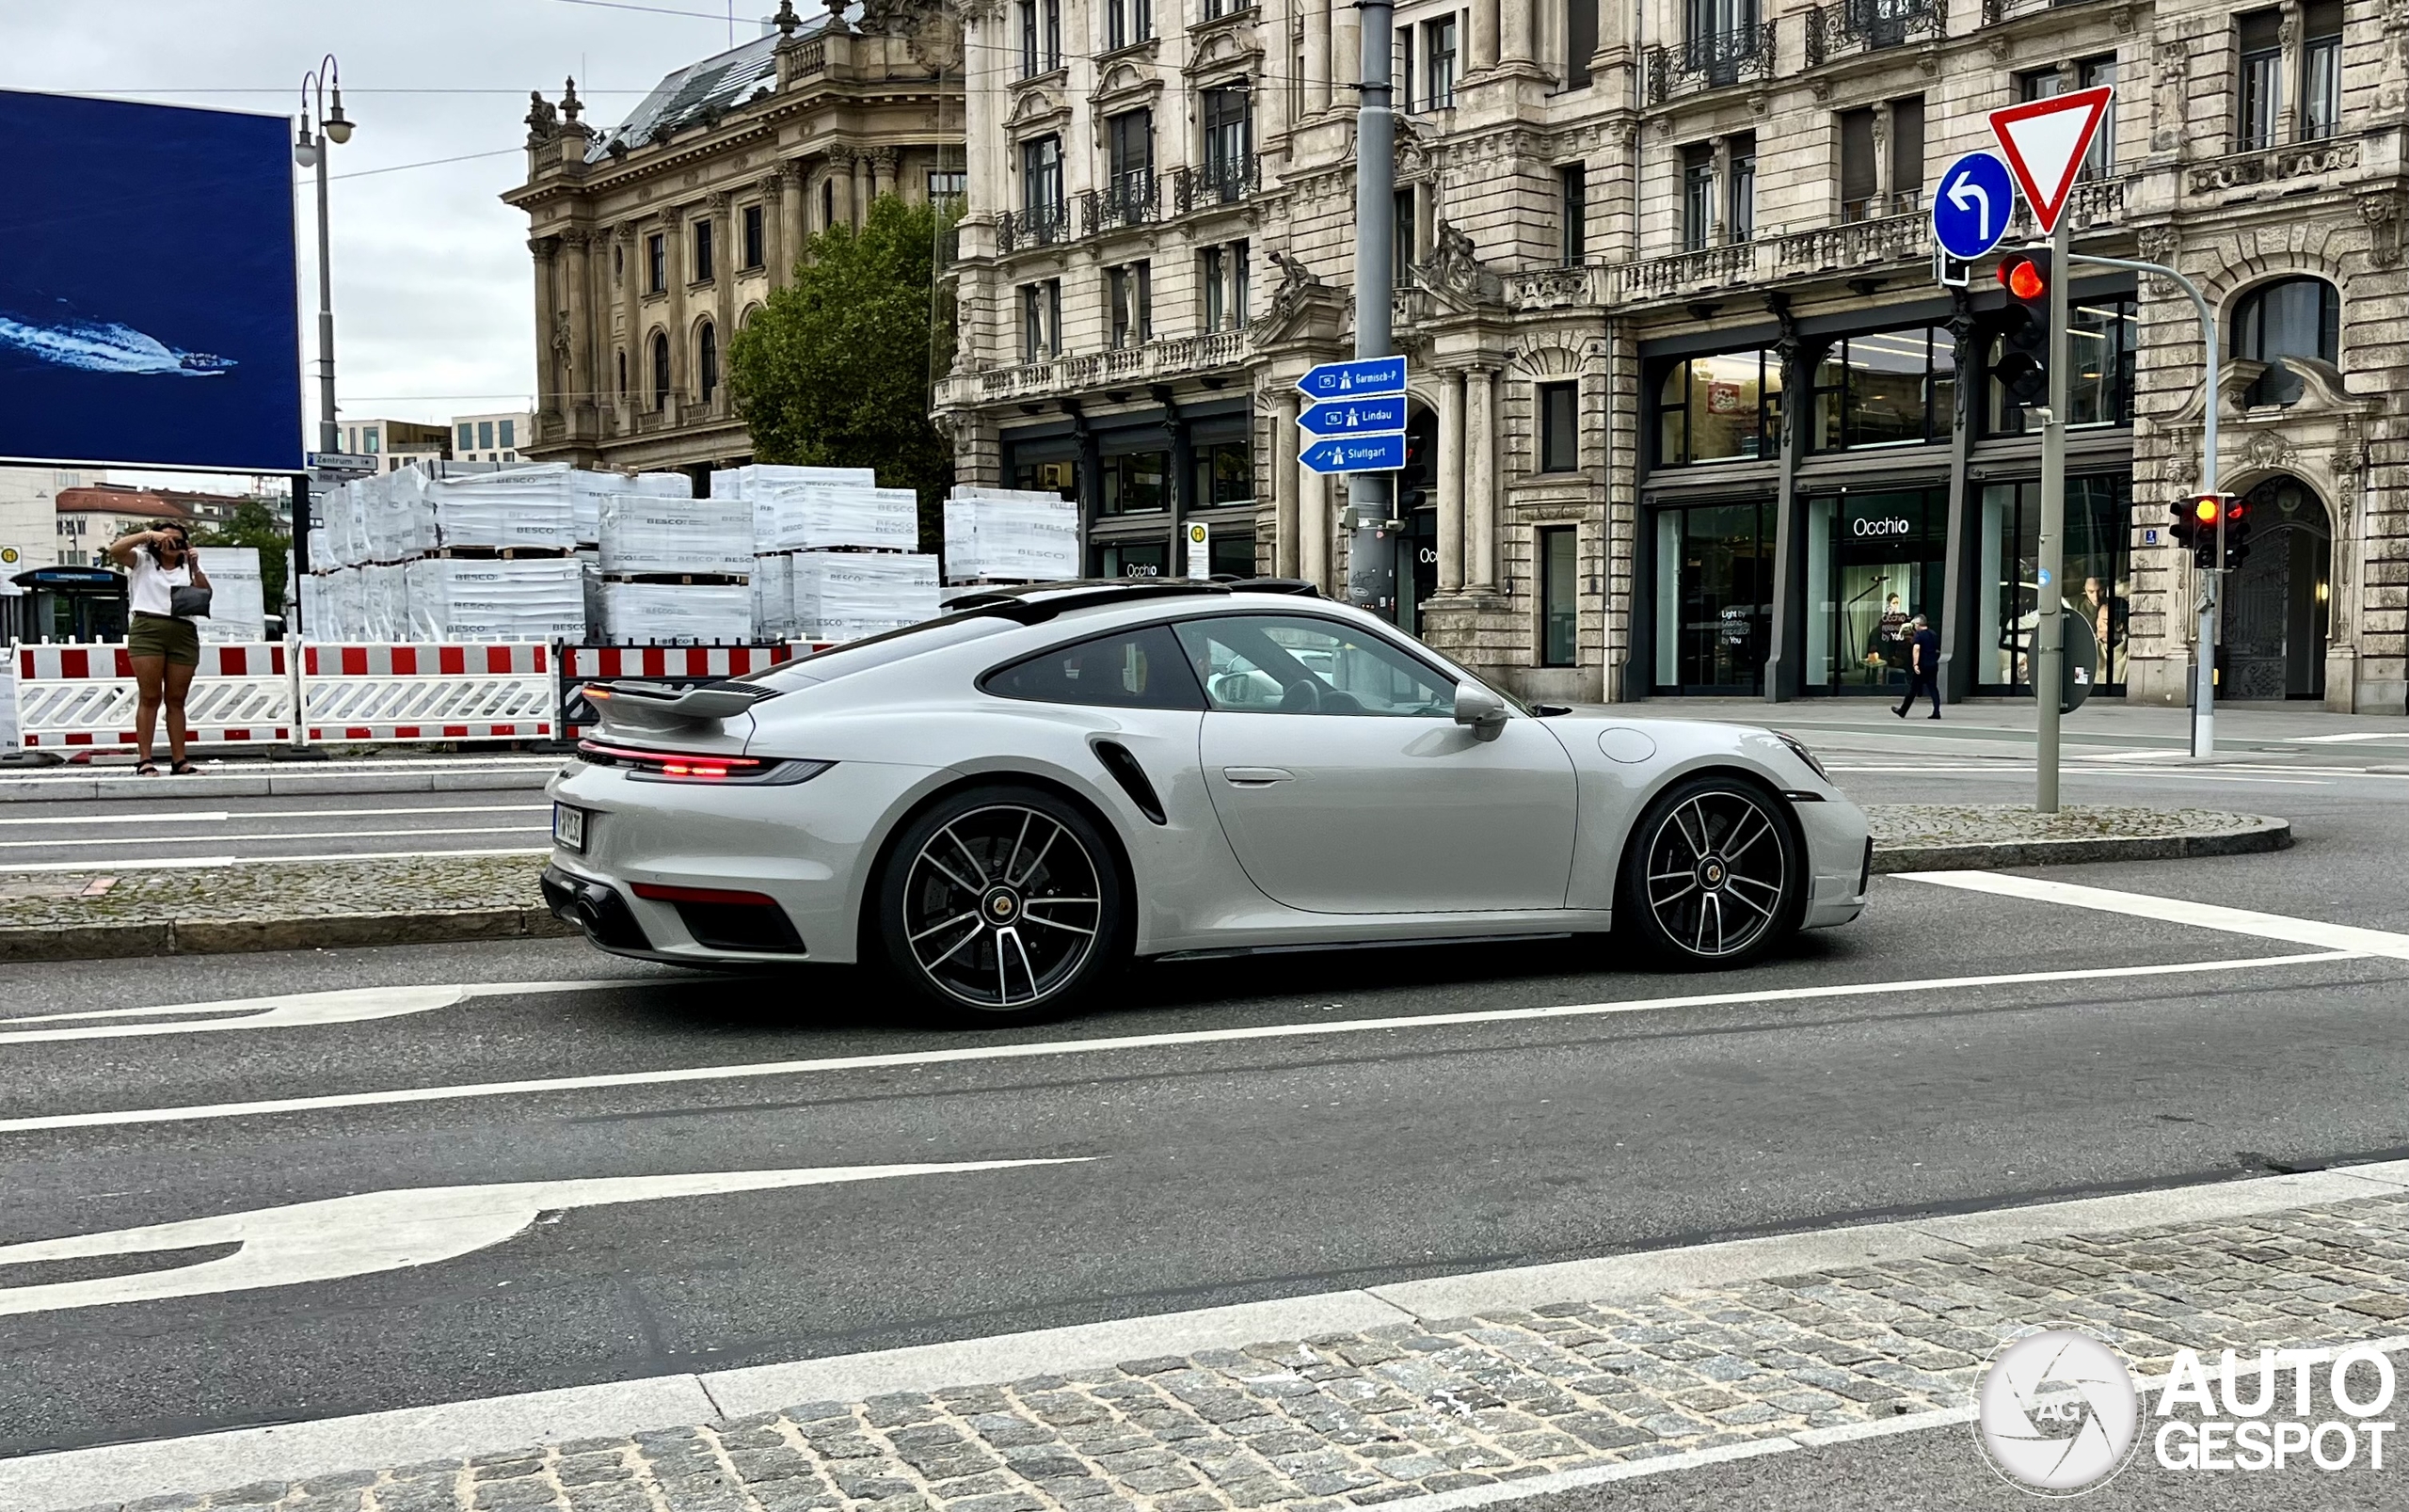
(2044, 140)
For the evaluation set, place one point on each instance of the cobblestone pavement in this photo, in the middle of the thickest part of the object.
(1900, 826)
(271, 889)
(1330, 1422)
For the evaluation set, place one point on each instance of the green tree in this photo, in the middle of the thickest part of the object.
(255, 525)
(836, 369)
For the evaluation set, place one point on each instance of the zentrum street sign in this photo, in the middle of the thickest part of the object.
(1348, 380)
(2044, 141)
(1970, 209)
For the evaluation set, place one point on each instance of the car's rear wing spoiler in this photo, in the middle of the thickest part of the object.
(644, 705)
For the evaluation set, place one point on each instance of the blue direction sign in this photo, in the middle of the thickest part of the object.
(1354, 417)
(1972, 205)
(1384, 452)
(1345, 381)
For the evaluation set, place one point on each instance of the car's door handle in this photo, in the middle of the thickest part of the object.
(1256, 776)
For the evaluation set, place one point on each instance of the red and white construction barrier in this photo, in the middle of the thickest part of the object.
(82, 698)
(357, 694)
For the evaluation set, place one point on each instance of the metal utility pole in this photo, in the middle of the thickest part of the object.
(2204, 671)
(310, 151)
(1371, 556)
(2049, 677)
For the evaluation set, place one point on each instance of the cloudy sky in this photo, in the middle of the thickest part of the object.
(433, 291)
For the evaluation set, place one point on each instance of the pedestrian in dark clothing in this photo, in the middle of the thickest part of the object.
(1923, 667)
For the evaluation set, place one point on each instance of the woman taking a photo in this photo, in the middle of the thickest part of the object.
(164, 646)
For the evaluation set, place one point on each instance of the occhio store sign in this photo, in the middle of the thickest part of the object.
(1883, 525)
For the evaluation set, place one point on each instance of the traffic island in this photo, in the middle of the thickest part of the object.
(1985, 836)
(272, 906)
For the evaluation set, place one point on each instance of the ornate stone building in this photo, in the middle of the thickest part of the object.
(1692, 412)
(654, 242)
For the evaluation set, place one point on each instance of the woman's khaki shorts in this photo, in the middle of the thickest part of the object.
(162, 635)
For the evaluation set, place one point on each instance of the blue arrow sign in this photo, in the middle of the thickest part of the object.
(1356, 453)
(1345, 381)
(1353, 417)
(1972, 205)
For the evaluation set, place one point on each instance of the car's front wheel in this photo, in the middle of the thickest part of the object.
(1713, 875)
(1001, 904)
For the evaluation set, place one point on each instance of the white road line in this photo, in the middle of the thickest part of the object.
(219, 816)
(757, 1070)
(2078, 771)
(284, 1011)
(179, 863)
(2346, 938)
(2338, 740)
(372, 1232)
(271, 838)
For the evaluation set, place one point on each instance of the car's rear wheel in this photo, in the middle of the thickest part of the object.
(1000, 904)
(1714, 875)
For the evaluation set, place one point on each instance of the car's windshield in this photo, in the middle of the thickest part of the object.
(879, 651)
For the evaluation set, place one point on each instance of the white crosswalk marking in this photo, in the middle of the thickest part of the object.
(2307, 931)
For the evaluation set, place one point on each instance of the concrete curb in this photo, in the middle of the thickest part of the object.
(79, 789)
(215, 936)
(2255, 835)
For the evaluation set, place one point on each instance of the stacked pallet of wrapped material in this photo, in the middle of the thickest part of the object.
(1009, 536)
(822, 517)
(237, 607)
(639, 533)
(315, 623)
(675, 614)
(773, 589)
(844, 596)
(758, 486)
(588, 489)
(532, 508)
(454, 598)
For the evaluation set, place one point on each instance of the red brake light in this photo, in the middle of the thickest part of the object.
(665, 764)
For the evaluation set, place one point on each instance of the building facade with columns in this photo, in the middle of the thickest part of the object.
(1692, 413)
(654, 242)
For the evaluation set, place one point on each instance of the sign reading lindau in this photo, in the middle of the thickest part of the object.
(146, 291)
(1353, 417)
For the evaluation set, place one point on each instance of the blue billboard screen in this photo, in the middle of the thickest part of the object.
(147, 309)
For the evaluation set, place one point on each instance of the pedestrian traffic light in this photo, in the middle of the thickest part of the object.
(2023, 369)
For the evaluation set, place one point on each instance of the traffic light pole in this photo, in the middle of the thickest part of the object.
(2204, 670)
(2049, 679)
(1371, 558)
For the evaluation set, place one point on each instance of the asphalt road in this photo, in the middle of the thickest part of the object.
(1206, 1173)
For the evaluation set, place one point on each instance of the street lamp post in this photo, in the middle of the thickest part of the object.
(310, 149)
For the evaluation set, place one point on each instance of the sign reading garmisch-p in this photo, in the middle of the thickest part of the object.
(1346, 381)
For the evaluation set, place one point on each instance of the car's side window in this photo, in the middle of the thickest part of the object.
(1296, 664)
(1128, 669)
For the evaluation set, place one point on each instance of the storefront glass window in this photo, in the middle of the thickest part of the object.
(1136, 483)
(1890, 389)
(1560, 577)
(1133, 559)
(2097, 583)
(1714, 597)
(2100, 340)
(1224, 474)
(1060, 477)
(1720, 407)
(1873, 560)
(1233, 551)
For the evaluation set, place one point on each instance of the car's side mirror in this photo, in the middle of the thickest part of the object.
(1480, 709)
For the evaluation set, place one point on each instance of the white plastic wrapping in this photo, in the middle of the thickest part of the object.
(237, 605)
(772, 597)
(844, 595)
(644, 533)
(1011, 534)
(815, 517)
(640, 613)
(450, 599)
(530, 506)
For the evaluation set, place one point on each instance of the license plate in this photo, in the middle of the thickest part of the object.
(568, 827)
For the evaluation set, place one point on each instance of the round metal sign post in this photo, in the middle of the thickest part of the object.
(1972, 205)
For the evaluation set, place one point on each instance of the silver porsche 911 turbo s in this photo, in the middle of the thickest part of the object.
(1006, 803)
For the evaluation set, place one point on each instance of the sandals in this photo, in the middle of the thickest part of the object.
(148, 769)
(184, 769)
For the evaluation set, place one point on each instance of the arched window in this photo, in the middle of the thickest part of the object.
(2290, 317)
(707, 361)
(659, 370)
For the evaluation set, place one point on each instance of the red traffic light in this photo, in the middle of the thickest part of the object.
(2024, 277)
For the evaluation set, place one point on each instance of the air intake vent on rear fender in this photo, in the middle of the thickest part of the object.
(1131, 776)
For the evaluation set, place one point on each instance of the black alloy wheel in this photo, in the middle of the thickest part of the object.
(1002, 904)
(1714, 875)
